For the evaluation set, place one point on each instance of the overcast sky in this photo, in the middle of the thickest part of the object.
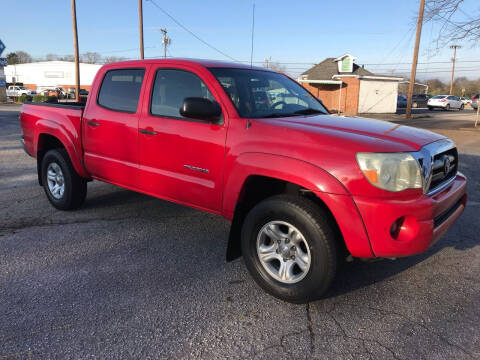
(297, 33)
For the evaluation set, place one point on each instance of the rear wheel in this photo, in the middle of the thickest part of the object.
(289, 248)
(65, 189)
(461, 107)
(430, 108)
(447, 108)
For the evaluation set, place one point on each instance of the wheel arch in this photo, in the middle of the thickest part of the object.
(256, 177)
(47, 140)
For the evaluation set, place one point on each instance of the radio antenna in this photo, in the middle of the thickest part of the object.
(253, 31)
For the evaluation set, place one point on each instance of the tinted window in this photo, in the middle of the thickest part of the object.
(439, 97)
(120, 89)
(257, 93)
(451, 98)
(170, 89)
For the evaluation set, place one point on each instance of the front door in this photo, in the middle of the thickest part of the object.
(181, 159)
(110, 128)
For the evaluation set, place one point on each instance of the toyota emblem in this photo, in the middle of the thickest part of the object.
(446, 166)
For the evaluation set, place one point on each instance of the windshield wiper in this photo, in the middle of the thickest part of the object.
(277, 115)
(309, 111)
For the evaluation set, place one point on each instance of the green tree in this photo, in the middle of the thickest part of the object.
(19, 57)
(12, 58)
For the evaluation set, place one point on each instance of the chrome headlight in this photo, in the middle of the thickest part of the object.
(391, 171)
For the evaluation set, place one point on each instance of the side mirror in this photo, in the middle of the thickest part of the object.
(200, 108)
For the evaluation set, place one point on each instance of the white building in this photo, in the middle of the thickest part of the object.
(51, 74)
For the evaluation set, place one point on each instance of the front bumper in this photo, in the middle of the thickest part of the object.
(421, 219)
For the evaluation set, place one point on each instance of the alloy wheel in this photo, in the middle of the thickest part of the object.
(283, 252)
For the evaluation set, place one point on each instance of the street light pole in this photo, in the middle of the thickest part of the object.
(75, 49)
(413, 74)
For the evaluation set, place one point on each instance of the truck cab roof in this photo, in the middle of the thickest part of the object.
(188, 61)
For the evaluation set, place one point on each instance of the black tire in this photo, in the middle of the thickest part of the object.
(461, 107)
(430, 108)
(447, 108)
(75, 186)
(314, 224)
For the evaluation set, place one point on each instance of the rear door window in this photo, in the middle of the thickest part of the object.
(120, 89)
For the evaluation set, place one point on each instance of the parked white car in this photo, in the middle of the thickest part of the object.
(16, 90)
(445, 102)
(466, 100)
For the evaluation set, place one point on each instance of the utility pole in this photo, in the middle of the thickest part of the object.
(140, 21)
(267, 62)
(75, 49)
(454, 47)
(413, 74)
(165, 41)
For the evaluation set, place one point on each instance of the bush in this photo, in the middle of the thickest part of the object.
(52, 99)
(45, 99)
(39, 98)
(23, 98)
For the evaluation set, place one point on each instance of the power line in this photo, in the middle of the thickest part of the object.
(191, 32)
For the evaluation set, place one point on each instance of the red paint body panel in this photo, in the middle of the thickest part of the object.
(315, 152)
(62, 123)
(420, 232)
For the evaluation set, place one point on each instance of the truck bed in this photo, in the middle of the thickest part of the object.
(39, 118)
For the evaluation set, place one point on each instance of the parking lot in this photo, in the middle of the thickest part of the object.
(130, 276)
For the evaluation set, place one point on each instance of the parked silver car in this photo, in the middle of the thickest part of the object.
(445, 102)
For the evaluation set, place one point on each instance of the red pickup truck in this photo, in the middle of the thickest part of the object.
(303, 188)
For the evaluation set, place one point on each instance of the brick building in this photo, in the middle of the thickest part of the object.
(350, 89)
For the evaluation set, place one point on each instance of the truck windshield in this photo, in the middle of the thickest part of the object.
(261, 94)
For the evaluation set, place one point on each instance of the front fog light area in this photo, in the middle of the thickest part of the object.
(405, 228)
(391, 171)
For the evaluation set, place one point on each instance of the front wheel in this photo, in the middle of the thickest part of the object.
(461, 107)
(447, 108)
(65, 189)
(289, 248)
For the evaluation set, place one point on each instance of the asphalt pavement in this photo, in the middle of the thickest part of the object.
(132, 277)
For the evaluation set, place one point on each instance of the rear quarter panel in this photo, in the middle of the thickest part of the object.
(62, 122)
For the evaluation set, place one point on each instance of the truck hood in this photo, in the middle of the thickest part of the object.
(412, 137)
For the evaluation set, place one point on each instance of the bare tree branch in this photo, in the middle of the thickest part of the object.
(455, 23)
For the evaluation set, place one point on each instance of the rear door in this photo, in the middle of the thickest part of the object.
(458, 102)
(110, 127)
(181, 159)
(452, 101)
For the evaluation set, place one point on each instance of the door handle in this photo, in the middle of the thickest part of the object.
(148, 132)
(93, 123)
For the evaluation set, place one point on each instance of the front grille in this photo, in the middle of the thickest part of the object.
(444, 168)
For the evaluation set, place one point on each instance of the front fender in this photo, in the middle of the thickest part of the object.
(324, 185)
(285, 168)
